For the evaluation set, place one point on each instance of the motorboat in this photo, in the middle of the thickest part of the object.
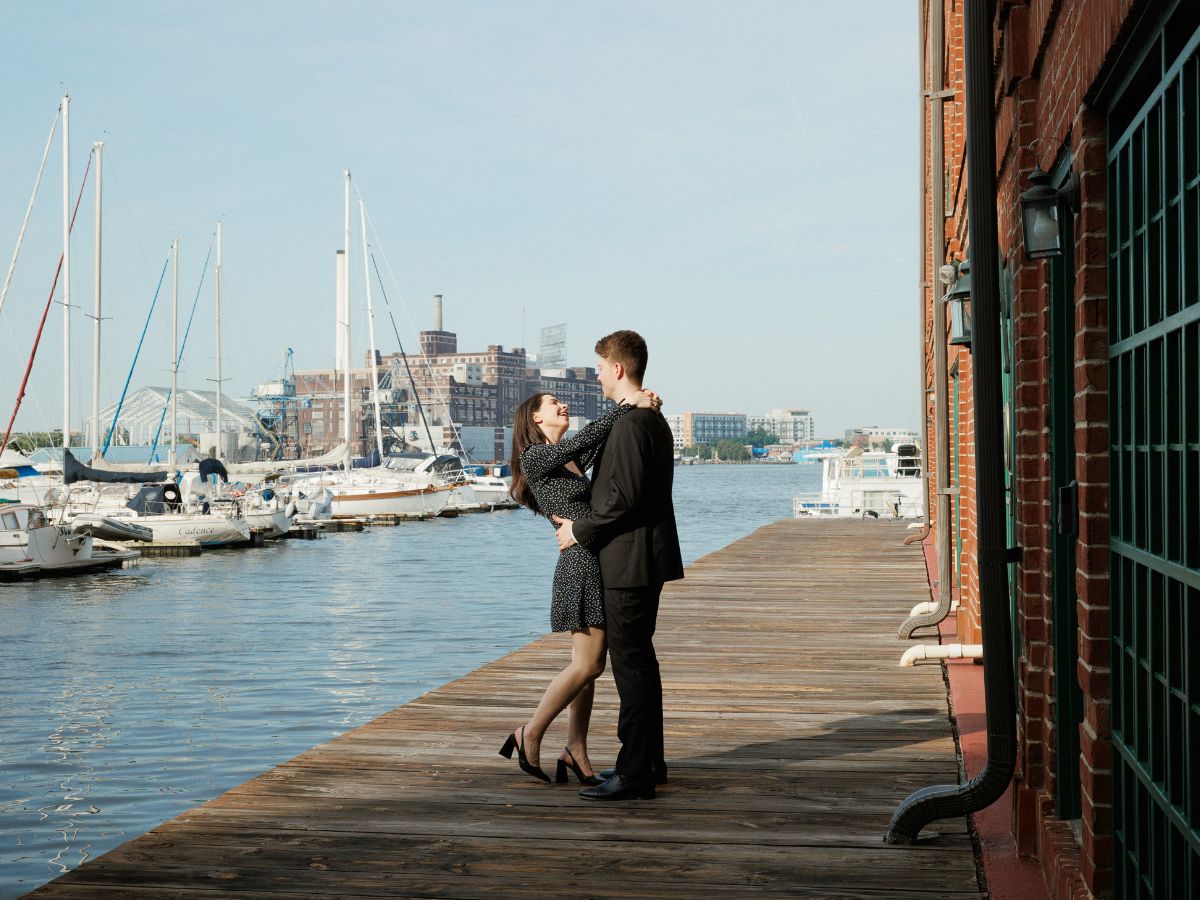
(491, 485)
(868, 484)
(31, 547)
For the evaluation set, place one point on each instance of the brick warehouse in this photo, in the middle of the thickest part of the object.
(1101, 388)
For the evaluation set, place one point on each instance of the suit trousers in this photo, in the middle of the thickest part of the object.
(632, 615)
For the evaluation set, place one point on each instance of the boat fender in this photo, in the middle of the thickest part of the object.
(290, 510)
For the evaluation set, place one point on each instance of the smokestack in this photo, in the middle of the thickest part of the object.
(437, 312)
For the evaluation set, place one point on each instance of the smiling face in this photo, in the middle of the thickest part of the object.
(552, 416)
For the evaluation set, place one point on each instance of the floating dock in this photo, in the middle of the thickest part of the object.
(791, 736)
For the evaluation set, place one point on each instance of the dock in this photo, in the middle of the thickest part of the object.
(791, 736)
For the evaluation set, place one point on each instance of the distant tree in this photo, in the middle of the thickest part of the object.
(28, 441)
(760, 438)
(887, 445)
(732, 450)
(703, 451)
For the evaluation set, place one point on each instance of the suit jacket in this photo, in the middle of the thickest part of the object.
(631, 527)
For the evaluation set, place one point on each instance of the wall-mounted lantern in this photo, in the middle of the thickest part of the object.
(959, 300)
(1043, 217)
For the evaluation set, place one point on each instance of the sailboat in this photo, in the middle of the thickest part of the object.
(377, 491)
(100, 497)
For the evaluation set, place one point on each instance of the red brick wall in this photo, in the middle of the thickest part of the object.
(1048, 55)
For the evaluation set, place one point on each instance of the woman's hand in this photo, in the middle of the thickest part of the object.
(645, 399)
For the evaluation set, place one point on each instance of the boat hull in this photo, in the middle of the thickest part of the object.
(206, 530)
(415, 503)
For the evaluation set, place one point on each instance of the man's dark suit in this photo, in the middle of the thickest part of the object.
(632, 530)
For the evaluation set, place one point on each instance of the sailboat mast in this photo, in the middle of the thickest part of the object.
(346, 318)
(66, 269)
(174, 351)
(96, 318)
(362, 219)
(220, 442)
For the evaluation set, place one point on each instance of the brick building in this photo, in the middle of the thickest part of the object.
(475, 390)
(319, 410)
(1101, 389)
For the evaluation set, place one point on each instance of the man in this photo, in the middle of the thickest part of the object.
(631, 528)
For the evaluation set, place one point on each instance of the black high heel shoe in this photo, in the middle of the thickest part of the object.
(507, 751)
(560, 777)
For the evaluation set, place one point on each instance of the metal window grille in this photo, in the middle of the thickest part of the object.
(1154, 377)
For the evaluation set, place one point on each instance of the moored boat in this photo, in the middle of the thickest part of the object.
(875, 484)
(30, 547)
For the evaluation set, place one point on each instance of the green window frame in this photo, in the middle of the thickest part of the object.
(1154, 422)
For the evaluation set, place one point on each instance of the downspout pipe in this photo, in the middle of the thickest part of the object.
(918, 652)
(937, 252)
(924, 87)
(940, 802)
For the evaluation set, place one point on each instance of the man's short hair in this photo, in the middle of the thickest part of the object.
(627, 348)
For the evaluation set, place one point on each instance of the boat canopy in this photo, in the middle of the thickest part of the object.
(155, 499)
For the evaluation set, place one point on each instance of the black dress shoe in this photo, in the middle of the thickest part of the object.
(618, 787)
(660, 778)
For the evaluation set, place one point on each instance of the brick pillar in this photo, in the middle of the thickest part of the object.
(1092, 471)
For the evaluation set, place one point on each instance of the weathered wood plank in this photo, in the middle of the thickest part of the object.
(791, 735)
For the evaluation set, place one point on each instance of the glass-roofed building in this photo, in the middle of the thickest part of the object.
(146, 414)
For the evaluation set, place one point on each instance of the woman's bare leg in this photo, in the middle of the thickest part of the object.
(579, 716)
(587, 662)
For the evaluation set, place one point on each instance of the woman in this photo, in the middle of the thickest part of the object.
(548, 477)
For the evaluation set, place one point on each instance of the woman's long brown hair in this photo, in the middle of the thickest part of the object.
(525, 432)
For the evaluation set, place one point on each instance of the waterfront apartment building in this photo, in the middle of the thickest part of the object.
(708, 428)
(792, 426)
(675, 422)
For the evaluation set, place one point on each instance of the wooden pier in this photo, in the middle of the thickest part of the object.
(791, 736)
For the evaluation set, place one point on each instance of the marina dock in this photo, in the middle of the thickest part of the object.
(791, 736)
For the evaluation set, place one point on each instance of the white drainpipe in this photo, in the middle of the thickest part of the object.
(927, 606)
(940, 651)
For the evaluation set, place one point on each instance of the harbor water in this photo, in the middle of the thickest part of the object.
(129, 697)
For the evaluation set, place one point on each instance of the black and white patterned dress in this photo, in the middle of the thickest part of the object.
(578, 596)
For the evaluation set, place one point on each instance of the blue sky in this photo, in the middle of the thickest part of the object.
(738, 182)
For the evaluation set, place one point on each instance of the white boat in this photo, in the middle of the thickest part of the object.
(170, 512)
(263, 506)
(874, 484)
(371, 492)
(30, 547)
(160, 508)
(492, 490)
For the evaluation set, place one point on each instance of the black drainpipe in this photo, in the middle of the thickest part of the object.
(947, 801)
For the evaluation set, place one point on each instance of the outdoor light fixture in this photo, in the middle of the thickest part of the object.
(959, 300)
(1043, 214)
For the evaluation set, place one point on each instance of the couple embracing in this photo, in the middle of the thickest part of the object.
(618, 545)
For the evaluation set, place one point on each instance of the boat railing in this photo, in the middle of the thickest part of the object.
(877, 504)
(814, 504)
